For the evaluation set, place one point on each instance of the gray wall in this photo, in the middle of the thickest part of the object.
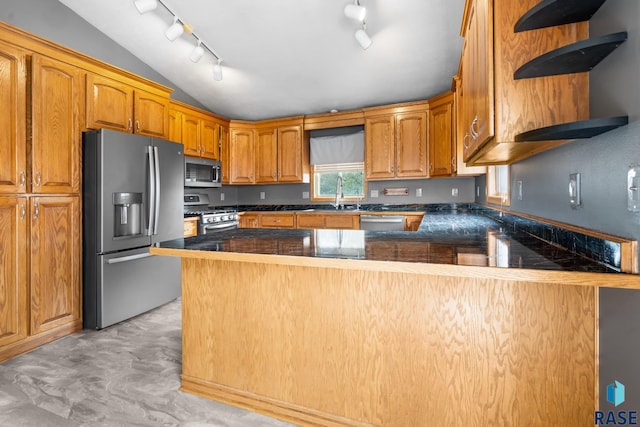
(54, 21)
(603, 163)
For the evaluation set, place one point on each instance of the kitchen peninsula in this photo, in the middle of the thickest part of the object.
(319, 327)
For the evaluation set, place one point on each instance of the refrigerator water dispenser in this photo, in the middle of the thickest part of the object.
(127, 209)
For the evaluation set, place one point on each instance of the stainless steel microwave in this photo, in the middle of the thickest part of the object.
(202, 172)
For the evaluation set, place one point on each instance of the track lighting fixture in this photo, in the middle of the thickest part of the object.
(217, 71)
(197, 52)
(355, 11)
(145, 6)
(175, 30)
(363, 38)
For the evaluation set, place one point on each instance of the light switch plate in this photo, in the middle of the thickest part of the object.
(374, 193)
(262, 195)
(574, 190)
(633, 188)
(519, 189)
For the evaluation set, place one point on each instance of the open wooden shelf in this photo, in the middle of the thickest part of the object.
(575, 130)
(549, 13)
(575, 58)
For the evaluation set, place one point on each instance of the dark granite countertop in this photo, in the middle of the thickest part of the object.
(466, 235)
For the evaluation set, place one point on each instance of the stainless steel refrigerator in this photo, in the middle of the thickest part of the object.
(132, 198)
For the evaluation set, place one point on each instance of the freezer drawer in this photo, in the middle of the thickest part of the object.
(129, 283)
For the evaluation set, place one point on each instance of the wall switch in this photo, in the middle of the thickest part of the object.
(418, 192)
(221, 196)
(374, 193)
(574, 190)
(477, 191)
(519, 189)
(262, 195)
(305, 194)
(633, 188)
(454, 192)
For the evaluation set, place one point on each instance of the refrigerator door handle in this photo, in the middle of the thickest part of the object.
(128, 258)
(152, 190)
(158, 191)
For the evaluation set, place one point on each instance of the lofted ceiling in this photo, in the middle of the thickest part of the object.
(292, 57)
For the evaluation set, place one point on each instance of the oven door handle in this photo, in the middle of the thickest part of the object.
(219, 226)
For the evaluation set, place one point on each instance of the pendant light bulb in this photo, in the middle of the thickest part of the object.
(145, 6)
(175, 30)
(197, 52)
(217, 71)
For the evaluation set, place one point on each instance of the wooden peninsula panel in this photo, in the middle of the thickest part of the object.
(358, 343)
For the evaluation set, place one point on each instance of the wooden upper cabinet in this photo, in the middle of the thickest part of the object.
(224, 153)
(151, 114)
(411, 144)
(241, 155)
(379, 158)
(191, 134)
(175, 125)
(291, 154)
(266, 152)
(13, 138)
(442, 160)
(396, 143)
(55, 280)
(14, 282)
(116, 105)
(210, 139)
(57, 93)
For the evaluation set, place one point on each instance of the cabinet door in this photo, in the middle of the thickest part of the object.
(191, 135)
(266, 146)
(342, 221)
(151, 114)
(13, 138)
(14, 307)
(109, 104)
(290, 154)
(277, 220)
(379, 160)
(310, 221)
(248, 221)
(411, 145)
(55, 262)
(241, 156)
(224, 153)
(441, 149)
(175, 126)
(209, 140)
(57, 97)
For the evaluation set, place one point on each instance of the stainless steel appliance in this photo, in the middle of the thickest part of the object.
(211, 219)
(202, 172)
(132, 199)
(382, 222)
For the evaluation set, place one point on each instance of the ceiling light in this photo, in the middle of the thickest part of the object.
(145, 6)
(197, 52)
(217, 71)
(363, 38)
(355, 11)
(175, 30)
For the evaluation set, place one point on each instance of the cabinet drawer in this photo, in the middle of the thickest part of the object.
(277, 221)
(310, 221)
(342, 221)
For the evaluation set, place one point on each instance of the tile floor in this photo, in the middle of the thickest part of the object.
(125, 375)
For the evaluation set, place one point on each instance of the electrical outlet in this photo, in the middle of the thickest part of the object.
(221, 197)
(418, 192)
(374, 193)
(305, 194)
(477, 191)
(574, 190)
(262, 195)
(454, 192)
(519, 189)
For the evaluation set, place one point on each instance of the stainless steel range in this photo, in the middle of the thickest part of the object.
(211, 219)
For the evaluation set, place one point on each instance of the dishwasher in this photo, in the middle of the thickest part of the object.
(382, 222)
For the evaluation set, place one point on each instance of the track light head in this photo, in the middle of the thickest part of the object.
(355, 11)
(217, 71)
(175, 30)
(363, 38)
(197, 52)
(145, 6)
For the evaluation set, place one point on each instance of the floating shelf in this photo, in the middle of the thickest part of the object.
(575, 58)
(549, 13)
(574, 130)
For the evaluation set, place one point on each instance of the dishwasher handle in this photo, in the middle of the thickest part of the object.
(382, 218)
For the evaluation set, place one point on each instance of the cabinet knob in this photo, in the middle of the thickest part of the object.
(473, 132)
(130, 128)
(464, 140)
(137, 126)
(36, 211)
(23, 178)
(23, 212)
(38, 179)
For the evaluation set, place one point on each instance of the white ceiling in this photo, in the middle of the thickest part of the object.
(291, 57)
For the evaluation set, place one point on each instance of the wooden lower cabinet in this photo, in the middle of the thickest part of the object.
(248, 220)
(43, 294)
(336, 221)
(277, 220)
(190, 227)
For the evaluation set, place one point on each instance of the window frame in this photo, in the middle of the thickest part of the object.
(493, 194)
(337, 167)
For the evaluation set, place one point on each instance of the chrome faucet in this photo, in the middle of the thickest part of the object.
(339, 192)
